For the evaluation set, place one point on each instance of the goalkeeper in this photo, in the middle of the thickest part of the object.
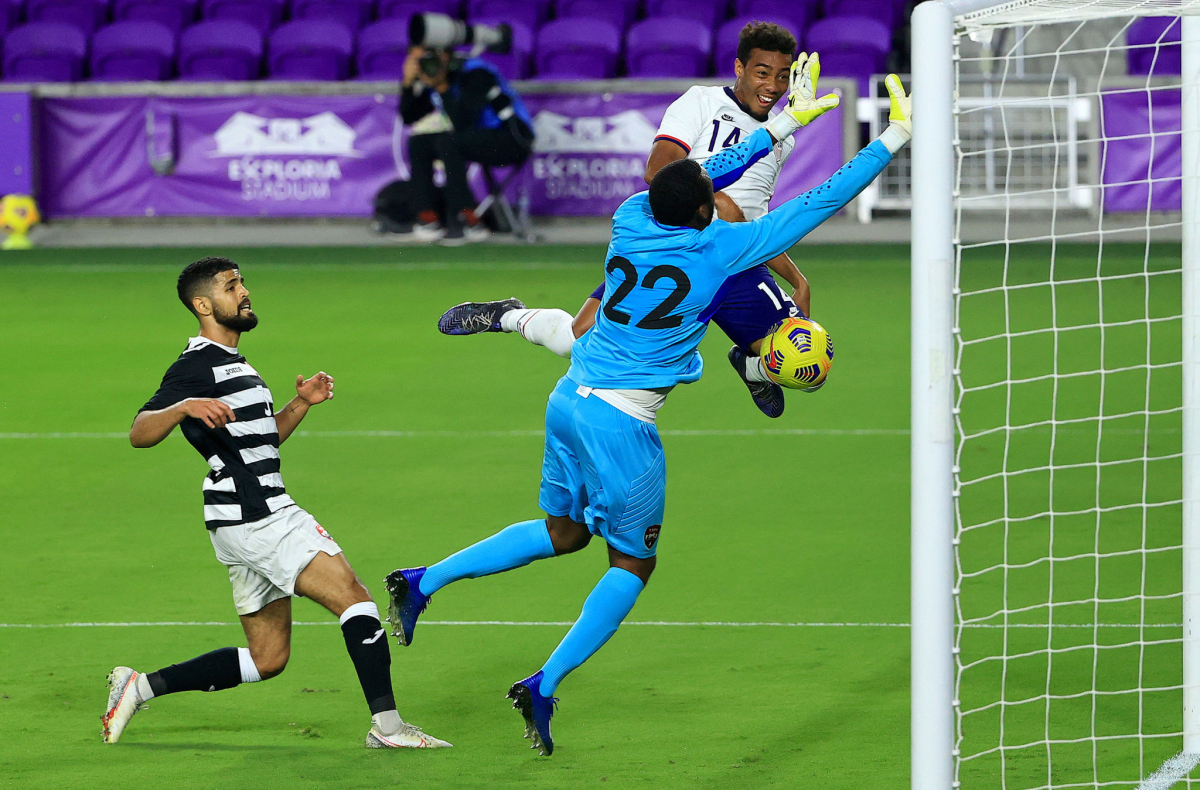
(603, 469)
(749, 303)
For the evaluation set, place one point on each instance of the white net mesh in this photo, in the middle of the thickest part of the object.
(1068, 470)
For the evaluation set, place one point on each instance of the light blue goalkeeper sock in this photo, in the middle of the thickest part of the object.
(511, 547)
(607, 605)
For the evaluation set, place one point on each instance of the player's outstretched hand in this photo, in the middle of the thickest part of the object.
(899, 130)
(316, 390)
(209, 411)
(803, 106)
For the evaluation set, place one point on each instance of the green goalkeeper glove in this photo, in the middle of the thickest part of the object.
(899, 130)
(803, 106)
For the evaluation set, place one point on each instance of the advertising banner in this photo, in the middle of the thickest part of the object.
(1143, 169)
(287, 156)
(16, 153)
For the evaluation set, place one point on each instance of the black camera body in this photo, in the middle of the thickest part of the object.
(431, 65)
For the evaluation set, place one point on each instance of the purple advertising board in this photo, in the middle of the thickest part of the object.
(16, 154)
(1142, 156)
(285, 156)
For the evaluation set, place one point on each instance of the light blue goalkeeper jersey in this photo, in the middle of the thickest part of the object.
(661, 281)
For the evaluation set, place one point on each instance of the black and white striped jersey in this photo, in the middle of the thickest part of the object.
(244, 483)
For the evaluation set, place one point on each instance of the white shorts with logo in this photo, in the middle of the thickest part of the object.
(266, 557)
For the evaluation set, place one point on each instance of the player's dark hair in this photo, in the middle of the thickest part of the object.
(678, 190)
(195, 277)
(766, 36)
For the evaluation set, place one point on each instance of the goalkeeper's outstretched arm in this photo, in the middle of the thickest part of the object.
(778, 230)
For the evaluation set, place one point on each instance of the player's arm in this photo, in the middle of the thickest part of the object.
(586, 317)
(309, 392)
(174, 401)
(786, 268)
(778, 230)
(151, 427)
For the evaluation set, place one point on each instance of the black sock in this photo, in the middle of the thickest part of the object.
(367, 645)
(213, 671)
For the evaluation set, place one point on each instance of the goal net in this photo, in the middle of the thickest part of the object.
(1066, 395)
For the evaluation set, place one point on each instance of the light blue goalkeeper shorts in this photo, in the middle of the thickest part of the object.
(605, 469)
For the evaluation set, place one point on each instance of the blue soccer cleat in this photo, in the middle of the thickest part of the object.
(767, 395)
(471, 318)
(537, 711)
(405, 602)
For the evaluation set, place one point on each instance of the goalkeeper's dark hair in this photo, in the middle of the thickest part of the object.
(766, 36)
(195, 278)
(677, 192)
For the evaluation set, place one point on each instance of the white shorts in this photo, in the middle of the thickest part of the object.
(266, 557)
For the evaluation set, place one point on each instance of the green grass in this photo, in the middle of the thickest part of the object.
(760, 527)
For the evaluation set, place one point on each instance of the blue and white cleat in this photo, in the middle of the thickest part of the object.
(471, 318)
(405, 602)
(767, 395)
(537, 711)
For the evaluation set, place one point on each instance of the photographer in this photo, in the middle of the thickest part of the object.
(459, 111)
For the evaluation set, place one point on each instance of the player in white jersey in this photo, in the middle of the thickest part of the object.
(702, 122)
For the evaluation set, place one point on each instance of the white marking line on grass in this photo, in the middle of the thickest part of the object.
(502, 434)
(668, 623)
(1170, 772)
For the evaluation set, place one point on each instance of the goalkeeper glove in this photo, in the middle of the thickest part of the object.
(803, 106)
(899, 130)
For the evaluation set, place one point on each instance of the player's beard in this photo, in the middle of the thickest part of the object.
(239, 321)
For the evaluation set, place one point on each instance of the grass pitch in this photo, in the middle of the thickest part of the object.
(799, 520)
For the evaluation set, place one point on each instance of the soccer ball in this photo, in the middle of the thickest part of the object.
(798, 354)
(18, 213)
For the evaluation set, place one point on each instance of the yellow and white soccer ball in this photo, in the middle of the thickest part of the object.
(798, 354)
(18, 215)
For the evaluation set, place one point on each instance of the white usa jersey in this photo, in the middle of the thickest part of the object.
(709, 118)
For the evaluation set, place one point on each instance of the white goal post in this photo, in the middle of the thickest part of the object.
(947, 436)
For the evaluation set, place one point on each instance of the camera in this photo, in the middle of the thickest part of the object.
(442, 32)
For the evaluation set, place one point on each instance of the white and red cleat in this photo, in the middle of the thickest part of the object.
(123, 702)
(407, 737)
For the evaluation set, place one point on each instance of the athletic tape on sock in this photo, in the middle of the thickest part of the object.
(363, 609)
(248, 667)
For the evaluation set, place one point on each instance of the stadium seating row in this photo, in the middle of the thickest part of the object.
(324, 49)
(265, 15)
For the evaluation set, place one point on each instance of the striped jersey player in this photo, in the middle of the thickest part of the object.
(272, 548)
(703, 122)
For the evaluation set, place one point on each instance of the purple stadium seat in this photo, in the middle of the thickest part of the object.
(262, 14)
(10, 14)
(1154, 43)
(310, 49)
(403, 9)
(175, 14)
(531, 13)
(382, 48)
(727, 40)
(220, 49)
(87, 15)
(516, 64)
(577, 49)
(851, 46)
(618, 12)
(668, 47)
(706, 12)
(44, 52)
(884, 11)
(797, 12)
(351, 13)
(133, 50)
